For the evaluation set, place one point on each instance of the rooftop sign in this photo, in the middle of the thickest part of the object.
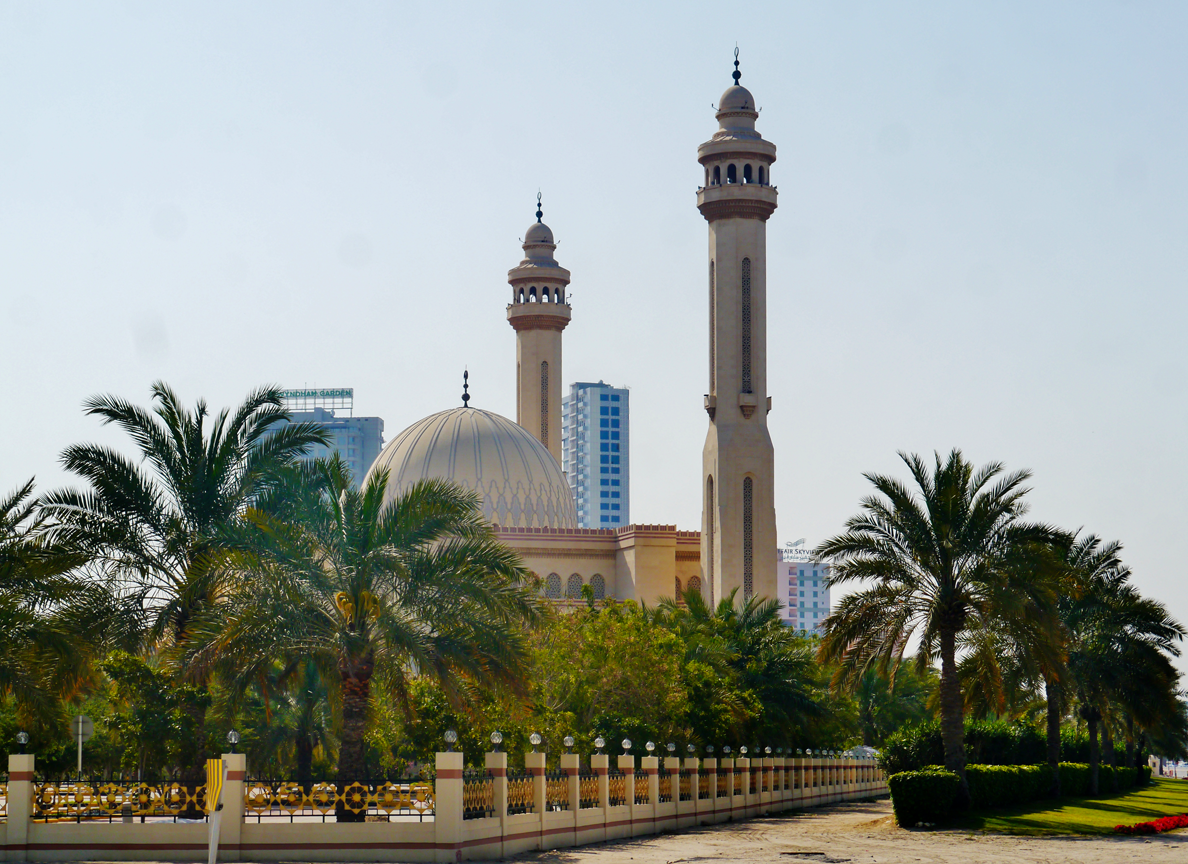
(340, 393)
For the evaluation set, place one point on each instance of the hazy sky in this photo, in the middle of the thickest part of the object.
(980, 240)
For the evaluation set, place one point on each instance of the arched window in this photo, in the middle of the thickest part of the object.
(677, 596)
(532, 294)
(747, 178)
(695, 584)
(713, 317)
(545, 295)
(731, 173)
(717, 175)
(544, 402)
(746, 325)
(748, 538)
(762, 177)
(521, 295)
(709, 529)
(573, 588)
(553, 586)
(598, 586)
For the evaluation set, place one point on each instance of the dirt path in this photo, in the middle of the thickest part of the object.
(862, 833)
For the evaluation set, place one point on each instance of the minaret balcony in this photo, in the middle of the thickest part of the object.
(538, 316)
(737, 201)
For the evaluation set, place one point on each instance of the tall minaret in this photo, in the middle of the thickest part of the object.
(738, 529)
(539, 312)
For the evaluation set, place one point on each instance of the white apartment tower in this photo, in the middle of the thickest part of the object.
(596, 445)
(738, 530)
(539, 313)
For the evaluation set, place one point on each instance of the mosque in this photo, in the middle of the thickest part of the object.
(516, 467)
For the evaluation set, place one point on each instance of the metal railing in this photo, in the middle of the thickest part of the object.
(478, 794)
(723, 784)
(704, 791)
(664, 793)
(588, 790)
(753, 784)
(521, 792)
(556, 791)
(276, 799)
(78, 800)
(685, 785)
(642, 795)
(738, 781)
(617, 788)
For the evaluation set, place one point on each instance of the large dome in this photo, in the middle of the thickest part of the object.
(520, 482)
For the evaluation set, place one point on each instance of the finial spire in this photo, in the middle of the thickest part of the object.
(736, 74)
(539, 212)
(465, 388)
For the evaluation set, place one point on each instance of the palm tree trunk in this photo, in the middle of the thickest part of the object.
(193, 769)
(1111, 757)
(1094, 753)
(304, 761)
(953, 716)
(1130, 760)
(1052, 690)
(356, 696)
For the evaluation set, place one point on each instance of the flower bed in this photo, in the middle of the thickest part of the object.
(1166, 823)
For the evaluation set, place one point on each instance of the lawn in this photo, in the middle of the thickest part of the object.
(1163, 797)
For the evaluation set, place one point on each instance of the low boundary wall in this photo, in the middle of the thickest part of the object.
(658, 795)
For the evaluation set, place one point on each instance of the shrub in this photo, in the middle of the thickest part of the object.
(1167, 823)
(922, 796)
(1144, 775)
(999, 785)
(910, 748)
(987, 742)
(1074, 779)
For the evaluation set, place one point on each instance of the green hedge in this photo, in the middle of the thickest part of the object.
(922, 796)
(1074, 779)
(987, 742)
(999, 785)
(927, 795)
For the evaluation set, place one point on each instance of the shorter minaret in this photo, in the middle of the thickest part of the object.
(539, 312)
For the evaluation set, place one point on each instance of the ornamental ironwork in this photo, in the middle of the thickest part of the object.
(275, 799)
(588, 790)
(78, 800)
(616, 782)
(557, 791)
(521, 792)
(478, 794)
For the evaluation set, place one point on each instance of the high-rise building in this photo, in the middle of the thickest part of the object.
(738, 525)
(802, 585)
(596, 452)
(357, 439)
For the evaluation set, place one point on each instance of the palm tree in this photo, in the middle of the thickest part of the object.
(1120, 646)
(370, 592)
(42, 658)
(766, 661)
(945, 560)
(152, 524)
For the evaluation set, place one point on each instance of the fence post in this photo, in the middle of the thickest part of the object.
(710, 767)
(496, 764)
(231, 829)
(534, 764)
(599, 763)
(672, 764)
(650, 765)
(20, 804)
(571, 765)
(627, 766)
(447, 806)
